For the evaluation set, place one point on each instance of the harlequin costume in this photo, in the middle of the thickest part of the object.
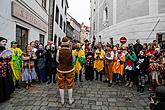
(108, 66)
(99, 62)
(6, 80)
(16, 63)
(79, 61)
(65, 70)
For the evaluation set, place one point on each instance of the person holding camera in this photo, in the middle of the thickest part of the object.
(158, 102)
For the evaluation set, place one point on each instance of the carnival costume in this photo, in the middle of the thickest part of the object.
(6, 80)
(99, 62)
(79, 61)
(108, 66)
(28, 71)
(65, 70)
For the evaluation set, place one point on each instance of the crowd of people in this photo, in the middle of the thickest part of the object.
(130, 65)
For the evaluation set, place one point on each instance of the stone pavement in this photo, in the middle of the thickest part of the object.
(88, 96)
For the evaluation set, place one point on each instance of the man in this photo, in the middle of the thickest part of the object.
(137, 47)
(65, 70)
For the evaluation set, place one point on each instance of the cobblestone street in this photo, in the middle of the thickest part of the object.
(88, 95)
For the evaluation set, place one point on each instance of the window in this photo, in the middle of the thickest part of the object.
(62, 3)
(57, 14)
(65, 10)
(55, 39)
(44, 4)
(105, 15)
(21, 37)
(42, 38)
(64, 27)
(61, 21)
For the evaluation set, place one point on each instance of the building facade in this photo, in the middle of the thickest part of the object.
(76, 26)
(133, 19)
(24, 21)
(59, 25)
(85, 33)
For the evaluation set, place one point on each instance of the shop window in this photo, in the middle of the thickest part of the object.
(21, 37)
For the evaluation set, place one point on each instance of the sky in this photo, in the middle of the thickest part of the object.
(80, 10)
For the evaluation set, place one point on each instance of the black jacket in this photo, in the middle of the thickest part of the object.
(159, 106)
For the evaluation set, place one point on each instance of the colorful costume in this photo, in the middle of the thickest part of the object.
(6, 80)
(79, 61)
(108, 66)
(16, 63)
(118, 66)
(65, 70)
(99, 62)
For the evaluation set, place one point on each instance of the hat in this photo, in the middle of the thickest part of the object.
(65, 41)
(14, 42)
(2, 38)
(78, 45)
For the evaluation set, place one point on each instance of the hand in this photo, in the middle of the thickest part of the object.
(151, 100)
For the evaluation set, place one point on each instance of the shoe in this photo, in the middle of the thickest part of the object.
(27, 87)
(30, 84)
(110, 84)
(127, 84)
(49, 82)
(96, 79)
(116, 82)
(54, 82)
(131, 85)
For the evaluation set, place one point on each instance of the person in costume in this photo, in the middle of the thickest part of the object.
(108, 64)
(28, 71)
(118, 65)
(131, 59)
(99, 61)
(16, 63)
(6, 80)
(40, 63)
(65, 70)
(89, 71)
(53, 64)
(141, 68)
(79, 55)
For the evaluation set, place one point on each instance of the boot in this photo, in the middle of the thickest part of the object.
(27, 86)
(131, 85)
(71, 100)
(138, 88)
(127, 84)
(109, 84)
(142, 89)
(62, 96)
(30, 84)
(17, 84)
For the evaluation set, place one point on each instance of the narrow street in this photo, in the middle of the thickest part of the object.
(88, 95)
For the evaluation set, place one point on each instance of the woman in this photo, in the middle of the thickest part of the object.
(28, 72)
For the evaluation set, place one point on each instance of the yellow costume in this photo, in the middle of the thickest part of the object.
(79, 55)
(99, 62)
(16, 63)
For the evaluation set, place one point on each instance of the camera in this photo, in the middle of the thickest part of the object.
(152, 97)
